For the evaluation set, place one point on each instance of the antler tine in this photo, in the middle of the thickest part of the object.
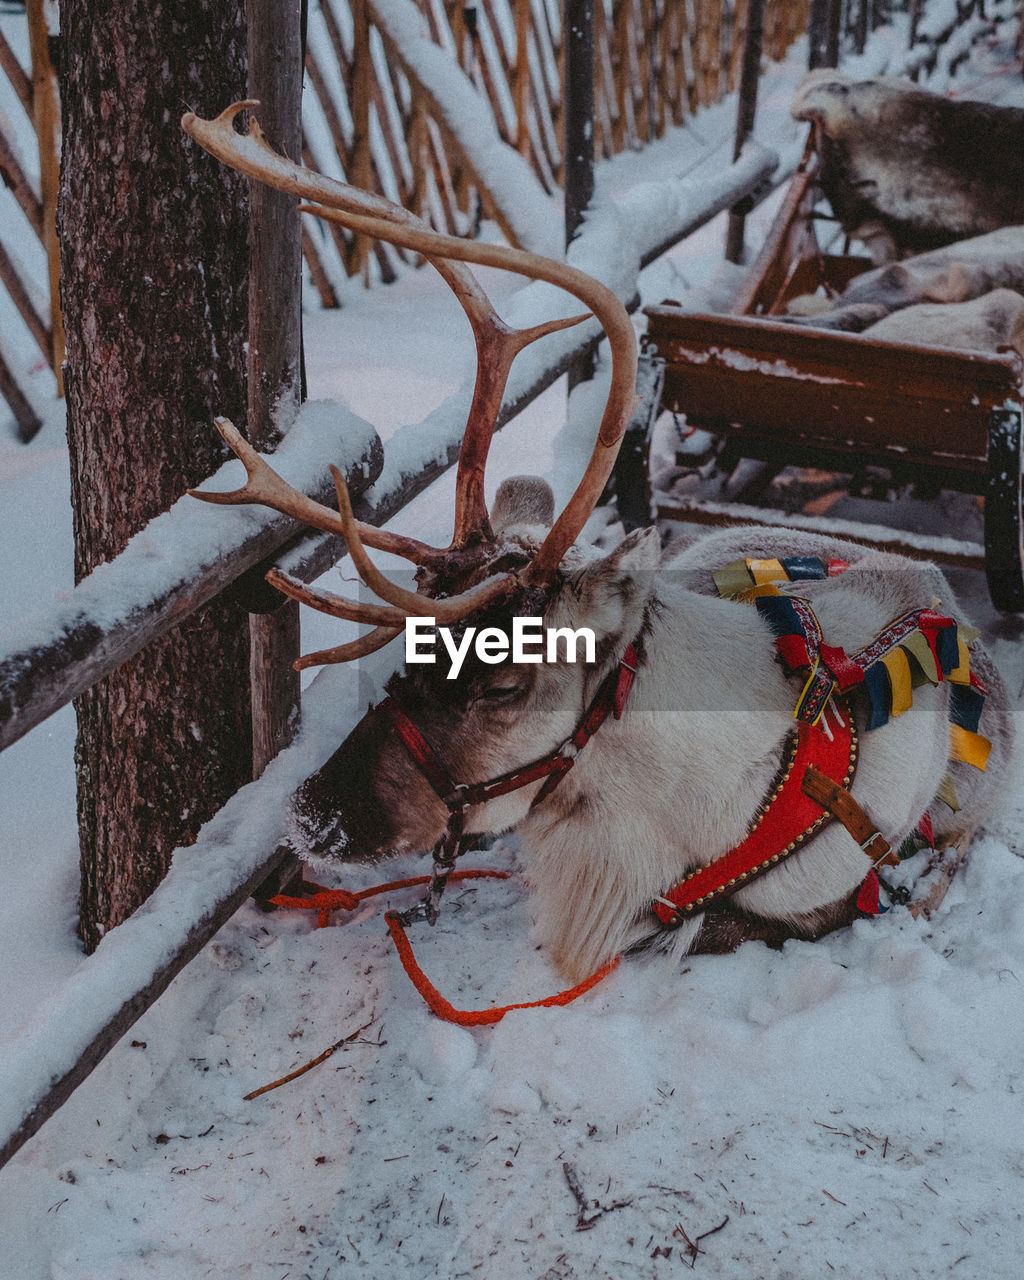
(335, 606)
(387, 621)
(617, 326)
(265, 487)
(410, 602)
(497, 346)
(370, 643)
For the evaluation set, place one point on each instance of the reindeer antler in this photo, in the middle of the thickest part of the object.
(497, 346)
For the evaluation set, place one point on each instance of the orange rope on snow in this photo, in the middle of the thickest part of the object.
(324, 901)
(481, 1017)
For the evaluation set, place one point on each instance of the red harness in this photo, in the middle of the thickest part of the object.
(788, 819)
(460, 797)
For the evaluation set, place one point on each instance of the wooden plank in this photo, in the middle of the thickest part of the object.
(131, 1009)
(673, 68)
(11, 278)
(765, 277)
(341, 237)
(746, 114)
(20, 80)
(46, 118)
(625, 134)
(443, 179)
(489, 75)
(43, 677)
(361, 92)
(275, 80)
(275, 344)
(579, 111)
(838, 387)
(18, 399)
(688, 14)
(273, 647)
(521, 76)
(541, 106)
(16, 180)
(317, 271)
(606, 106)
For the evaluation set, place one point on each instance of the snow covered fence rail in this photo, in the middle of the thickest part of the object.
(176, 564)
(73, 1030)
(185, 557)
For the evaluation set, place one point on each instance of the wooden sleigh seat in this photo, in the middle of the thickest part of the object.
(795, 396)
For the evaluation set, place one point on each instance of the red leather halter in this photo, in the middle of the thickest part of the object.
(460, 797)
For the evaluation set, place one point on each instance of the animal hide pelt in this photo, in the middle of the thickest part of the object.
(907, 170)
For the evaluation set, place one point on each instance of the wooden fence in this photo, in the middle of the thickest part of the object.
(656, 63)
(34, 199)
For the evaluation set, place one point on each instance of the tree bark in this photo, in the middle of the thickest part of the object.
(154, 269)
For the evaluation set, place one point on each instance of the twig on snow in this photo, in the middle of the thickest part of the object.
(315, 1062)
(693, 1246)
(583, 1222)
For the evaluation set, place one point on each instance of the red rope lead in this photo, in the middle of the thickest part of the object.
(477, 1017)
(324, 901)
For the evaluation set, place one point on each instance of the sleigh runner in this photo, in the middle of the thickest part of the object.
(939, 418)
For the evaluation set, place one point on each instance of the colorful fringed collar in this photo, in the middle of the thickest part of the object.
(922, 646)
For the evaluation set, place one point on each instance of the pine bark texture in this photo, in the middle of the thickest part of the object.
(154, 271)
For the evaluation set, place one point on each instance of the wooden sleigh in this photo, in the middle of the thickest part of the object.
(936, 418)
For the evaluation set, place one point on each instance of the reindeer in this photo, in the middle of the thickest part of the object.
(634, 774)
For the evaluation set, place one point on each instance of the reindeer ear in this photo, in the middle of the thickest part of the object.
(610, 595)
(522, 500)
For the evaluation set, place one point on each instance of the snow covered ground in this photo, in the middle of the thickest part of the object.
(844, 1108)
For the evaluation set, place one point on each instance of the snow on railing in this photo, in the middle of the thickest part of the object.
(177, 563)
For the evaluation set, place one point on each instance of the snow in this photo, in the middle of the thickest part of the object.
(842, 1108)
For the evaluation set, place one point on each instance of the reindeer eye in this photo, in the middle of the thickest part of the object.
(500, 693)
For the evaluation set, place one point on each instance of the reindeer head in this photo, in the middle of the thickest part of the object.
(370, 798)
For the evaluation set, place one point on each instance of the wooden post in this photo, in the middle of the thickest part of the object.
(823, 33)
(861, 28)
(521, 82)
(274, 389)
(153, 285)
(362, 163)
(579, 112)
(579, 132)
(46, 118)
(745, 116)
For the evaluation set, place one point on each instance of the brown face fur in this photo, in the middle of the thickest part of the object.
(370, 799)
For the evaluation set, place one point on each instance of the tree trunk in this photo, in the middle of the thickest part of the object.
(154, 269)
